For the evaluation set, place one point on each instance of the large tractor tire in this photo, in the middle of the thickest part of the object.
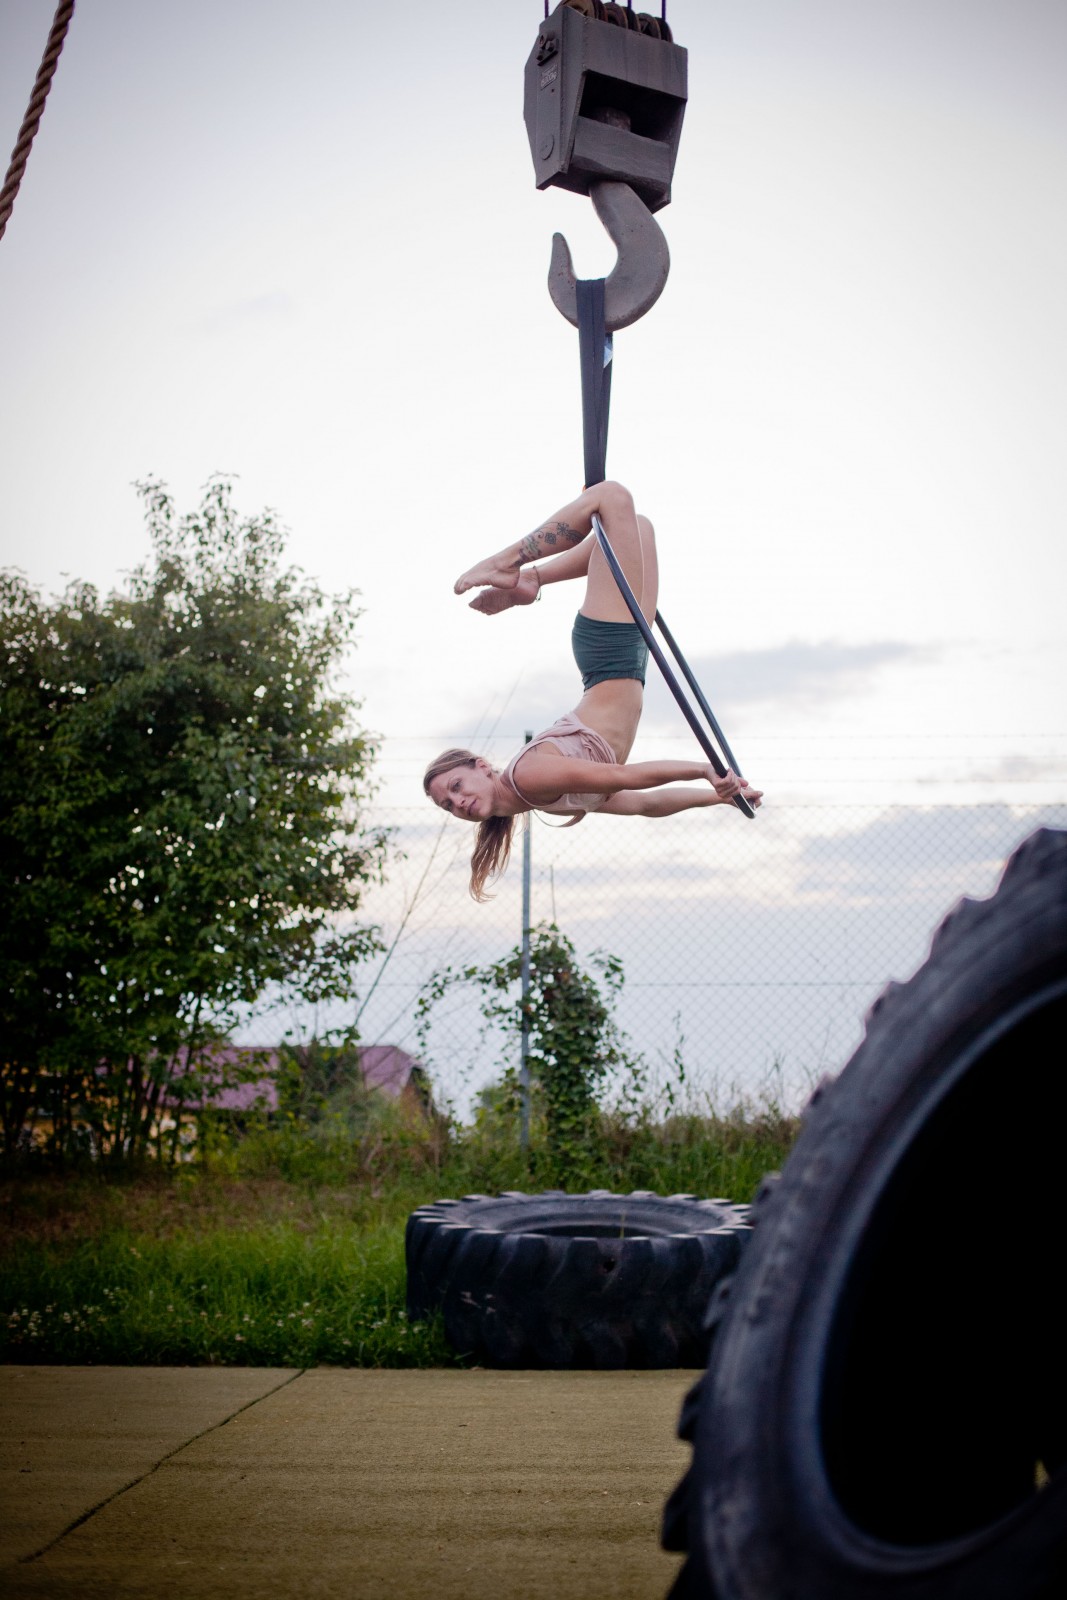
(884, 1413)
(573, 1280)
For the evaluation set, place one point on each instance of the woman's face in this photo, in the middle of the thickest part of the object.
(467, 792)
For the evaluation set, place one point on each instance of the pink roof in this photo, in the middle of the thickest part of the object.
(385, 1067)
(241, 1096)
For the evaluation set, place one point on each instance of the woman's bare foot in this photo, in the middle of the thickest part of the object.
(492, 601)
(495, 572)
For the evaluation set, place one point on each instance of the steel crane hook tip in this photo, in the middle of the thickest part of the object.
(640, 273)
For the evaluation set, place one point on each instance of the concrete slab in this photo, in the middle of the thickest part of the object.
(70, 1437)
(440, 1485)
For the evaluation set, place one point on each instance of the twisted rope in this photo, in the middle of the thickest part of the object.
(31, 121)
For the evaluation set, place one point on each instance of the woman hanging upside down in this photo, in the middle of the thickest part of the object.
(579, 763)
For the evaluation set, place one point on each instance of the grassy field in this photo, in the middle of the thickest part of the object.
(287, 1249)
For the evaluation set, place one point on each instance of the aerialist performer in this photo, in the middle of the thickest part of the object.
(578, 764)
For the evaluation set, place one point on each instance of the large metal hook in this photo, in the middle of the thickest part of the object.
(639, 275)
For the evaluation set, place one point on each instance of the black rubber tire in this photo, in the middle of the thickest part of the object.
(573, 1280)
(884, 1414)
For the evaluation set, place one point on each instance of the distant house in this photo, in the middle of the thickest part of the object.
(217, 1067)
(386, 1068)
(239, 1081)
(395, 1074)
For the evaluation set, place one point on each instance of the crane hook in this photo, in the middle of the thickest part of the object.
(640, 273)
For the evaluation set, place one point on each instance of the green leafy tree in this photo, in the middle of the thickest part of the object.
(573, 1040)
(182, 792)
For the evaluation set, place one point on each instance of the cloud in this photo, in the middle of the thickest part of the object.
(533, 702)
(795, 672)
(1015, 769)
(912, 851)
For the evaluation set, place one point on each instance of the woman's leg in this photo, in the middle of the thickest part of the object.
(613, 707)
(532, 579)
(560, 535)
(633, 540)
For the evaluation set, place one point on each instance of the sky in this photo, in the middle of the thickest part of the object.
(303, 246)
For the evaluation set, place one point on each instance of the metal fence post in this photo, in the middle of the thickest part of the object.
(524, 1039)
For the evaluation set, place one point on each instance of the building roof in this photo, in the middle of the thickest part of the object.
(385, 1067)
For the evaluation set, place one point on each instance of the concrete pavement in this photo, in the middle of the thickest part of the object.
(360, 1485)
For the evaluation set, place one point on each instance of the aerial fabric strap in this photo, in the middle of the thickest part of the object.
(595, 351)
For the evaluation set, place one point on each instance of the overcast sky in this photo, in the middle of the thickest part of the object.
(302, 245)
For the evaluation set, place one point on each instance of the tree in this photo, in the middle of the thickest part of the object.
(181, 791)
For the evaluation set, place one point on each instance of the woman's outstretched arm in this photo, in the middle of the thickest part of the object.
(666, 802)
(544, 775)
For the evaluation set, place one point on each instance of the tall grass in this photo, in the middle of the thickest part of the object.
(266, 1296)
(286, 1249)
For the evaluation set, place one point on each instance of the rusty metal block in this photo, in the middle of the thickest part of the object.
(604, 102)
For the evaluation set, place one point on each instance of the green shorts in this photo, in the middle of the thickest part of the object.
(604, 650)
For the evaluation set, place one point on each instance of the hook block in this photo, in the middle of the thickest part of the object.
(604, 102)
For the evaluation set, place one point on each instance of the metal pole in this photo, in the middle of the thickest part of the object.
(524, 1038)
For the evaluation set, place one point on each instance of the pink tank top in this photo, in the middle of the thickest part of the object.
(571, 738)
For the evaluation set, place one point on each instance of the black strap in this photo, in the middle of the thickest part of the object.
(595, 350)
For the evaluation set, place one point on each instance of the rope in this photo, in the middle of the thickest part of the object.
(32, 120)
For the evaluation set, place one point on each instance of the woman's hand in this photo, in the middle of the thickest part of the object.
(730, 785)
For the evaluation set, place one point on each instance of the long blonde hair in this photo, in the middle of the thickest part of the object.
(492, 844)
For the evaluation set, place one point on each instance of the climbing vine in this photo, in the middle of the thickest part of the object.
(574, 1042)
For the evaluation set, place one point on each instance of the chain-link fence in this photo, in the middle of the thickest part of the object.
(752, 949)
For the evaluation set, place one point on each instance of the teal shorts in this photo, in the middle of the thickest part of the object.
(604, 650)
